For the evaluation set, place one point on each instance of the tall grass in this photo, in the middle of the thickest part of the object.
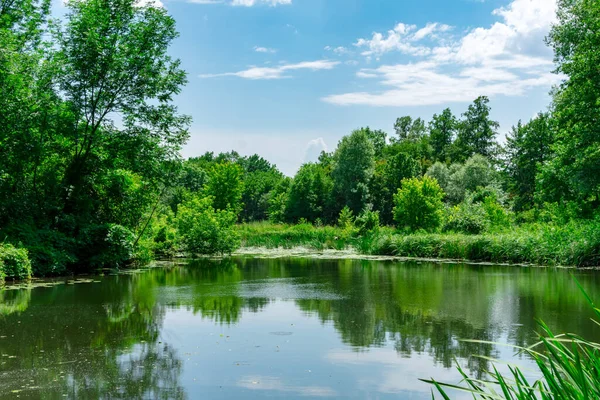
(264, 234)
(568, 364)
(573, 244)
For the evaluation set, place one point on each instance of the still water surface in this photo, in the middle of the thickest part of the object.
(287, 328)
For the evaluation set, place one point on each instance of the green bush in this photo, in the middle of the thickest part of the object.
(14, 263)
(418, 204)
(367, 222)
(465, 218)
(204, 230)
(112, 246)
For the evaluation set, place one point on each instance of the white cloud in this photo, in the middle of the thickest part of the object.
(425, 84)
(244, 3)
(259, 49)
(151, 3)
(508, 58)
(338, 50)
(250, 3)
(314, 149)
(277, 72)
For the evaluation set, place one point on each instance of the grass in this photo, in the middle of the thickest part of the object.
(573, 244)
(568, 365)
(268, 235)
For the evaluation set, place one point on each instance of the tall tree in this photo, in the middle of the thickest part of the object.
(574, 173)
(528, 149)
(309, 194)
(442, 130)
(354, 162)
(477, 132)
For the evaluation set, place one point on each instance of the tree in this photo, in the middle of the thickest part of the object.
(477, 172)
(378, 138)
(419, 204)
(204, 229)
(442, 130)
(225, 186)
(87, 120)
(309, 194)
(528, 148)
(574, 171)
(476, 132)
(353, 167)
(386, 180)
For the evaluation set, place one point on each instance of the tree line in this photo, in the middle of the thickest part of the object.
(91, 176)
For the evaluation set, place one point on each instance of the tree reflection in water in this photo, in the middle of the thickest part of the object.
(104, 339)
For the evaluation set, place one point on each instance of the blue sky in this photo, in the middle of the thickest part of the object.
(287, 78)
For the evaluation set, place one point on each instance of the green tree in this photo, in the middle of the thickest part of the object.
(225, 186)
(418, 204)
(379, 140)
(574, 172)
(310, 194)
(204, 229)
(442, 130)
(476, 132)
(528, 148)
(353, 167)
(477, 172)
(386, 180)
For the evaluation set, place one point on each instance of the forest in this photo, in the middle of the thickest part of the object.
(91, 174)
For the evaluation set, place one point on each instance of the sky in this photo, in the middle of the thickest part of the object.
(288, 78)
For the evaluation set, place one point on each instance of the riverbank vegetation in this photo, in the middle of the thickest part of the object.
(91, 176)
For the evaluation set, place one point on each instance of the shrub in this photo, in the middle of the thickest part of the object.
(14, 263)
(465, 218)
(497, 216)
(419, 204)
(346, 218)
(112, 245)
(367, 222)
(204, 230)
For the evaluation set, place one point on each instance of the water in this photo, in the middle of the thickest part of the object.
(249, 329)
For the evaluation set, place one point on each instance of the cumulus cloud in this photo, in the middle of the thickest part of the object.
(314, 149)
(276, 72)
(508, 58)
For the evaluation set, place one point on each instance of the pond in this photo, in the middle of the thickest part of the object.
(246, 328)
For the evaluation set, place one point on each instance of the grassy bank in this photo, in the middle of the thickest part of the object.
(573, 244)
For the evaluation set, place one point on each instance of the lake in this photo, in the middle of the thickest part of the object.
(246, 328)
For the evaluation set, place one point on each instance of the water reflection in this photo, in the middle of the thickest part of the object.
(296, 328)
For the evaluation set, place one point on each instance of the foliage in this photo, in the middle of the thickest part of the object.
(14, 263)
(367, 222)
(225, 186)
(346, 218)
(354, 162)
(477, 172)
(309, 194)
(69, 171)
(528, 149)
(418, 204)
(442, 130)
(476, 132)
(573, 173)
(204, 230)
(466, 217)
(441, 173)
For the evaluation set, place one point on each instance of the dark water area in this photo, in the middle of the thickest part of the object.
(286, 328)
